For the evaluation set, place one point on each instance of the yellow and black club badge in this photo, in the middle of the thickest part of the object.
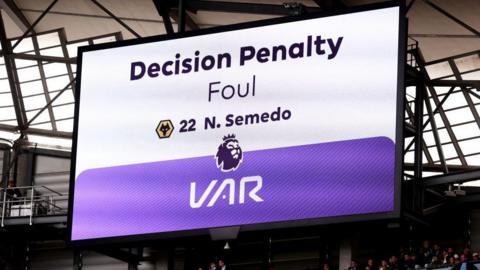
(164, 129)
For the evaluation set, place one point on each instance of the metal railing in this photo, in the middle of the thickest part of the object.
(31, 201)
(411, 47)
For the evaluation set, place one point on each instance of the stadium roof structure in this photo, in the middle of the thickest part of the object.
(39, 41)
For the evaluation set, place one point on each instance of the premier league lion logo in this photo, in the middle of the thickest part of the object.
(229, 154)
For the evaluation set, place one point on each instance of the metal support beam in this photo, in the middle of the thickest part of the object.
(102, 7)
(434, 112)
(411, 118)
(15, 14)
(439, 106)
(409, 6)
(44, 84)
(51, 101)
(419, 97)
(452, 178)
(30, 168)
(181, 16)
(433, 209)
(439, 168)
(437, 194)
(474, 94)
(448, 126)
(471, 105)
(29, 30)
(44, 58)
(48, 152)
(163, 10)
(329, 4)
(453, 18)
(435, 132)
(220, 6)
(36, 220)
(414, 192)
(63, 42)
(463, 83)
(5, 171)
(77, 259)
(39, 132)
(409, 130)
(13, 78)
(426, 152)
(189, 22)
(445, 59)
(412, 131)
(415, 217)
(466, 93)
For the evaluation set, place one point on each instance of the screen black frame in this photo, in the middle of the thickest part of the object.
(399, 137)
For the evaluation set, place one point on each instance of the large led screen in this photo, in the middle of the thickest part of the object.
(286, 120)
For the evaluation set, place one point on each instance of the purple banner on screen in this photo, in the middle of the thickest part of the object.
(292, 183)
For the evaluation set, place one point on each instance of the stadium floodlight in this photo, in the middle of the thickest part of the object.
(459, 191)
(450, 192)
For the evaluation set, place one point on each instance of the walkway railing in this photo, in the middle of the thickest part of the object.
(31, 201)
